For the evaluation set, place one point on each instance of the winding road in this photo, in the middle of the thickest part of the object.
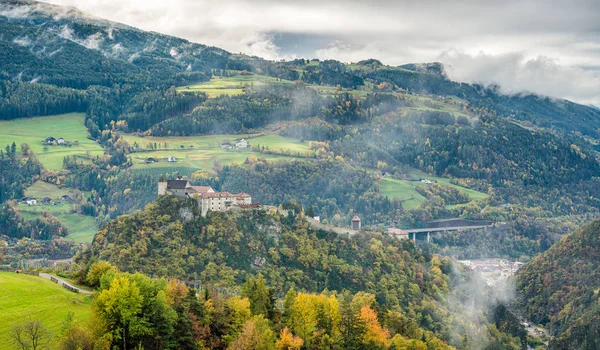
(61, 282)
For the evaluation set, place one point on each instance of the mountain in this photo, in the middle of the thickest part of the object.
(559, 288)
(64, 47)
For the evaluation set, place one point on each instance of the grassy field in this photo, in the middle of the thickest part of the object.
(41, 189)
(81, 228)
(405, 190)
(200, 152)
(34, 130)
(22, 296)
(402, 190)
(234, 85)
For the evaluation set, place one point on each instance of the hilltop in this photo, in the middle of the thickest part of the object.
(225, 249)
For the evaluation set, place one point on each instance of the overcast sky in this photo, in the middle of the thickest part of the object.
(543, 46)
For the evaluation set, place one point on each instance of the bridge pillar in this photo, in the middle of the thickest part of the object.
(428, 237)
(414, 237)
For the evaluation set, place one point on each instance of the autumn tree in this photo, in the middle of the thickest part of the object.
(256, 334)
(374, 334)
(288, 341)
(118, 309)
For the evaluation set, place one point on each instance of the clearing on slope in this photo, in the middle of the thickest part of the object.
(200, 152)
(405, 190)
(34, 131)
(232, 85)
(81, 228)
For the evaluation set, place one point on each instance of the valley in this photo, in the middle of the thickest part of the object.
(217, 200)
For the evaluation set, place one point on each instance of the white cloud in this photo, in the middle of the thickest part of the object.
(515, 73)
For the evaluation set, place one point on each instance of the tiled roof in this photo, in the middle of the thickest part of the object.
(202, 189)
(356, 218)
(177, 184)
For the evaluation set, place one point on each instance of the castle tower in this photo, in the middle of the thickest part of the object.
(162, 188)
(356, 223)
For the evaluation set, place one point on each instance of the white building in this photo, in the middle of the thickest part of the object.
(241, 144)
(31, 202)
(208, 199)
(171, 159)
(60, 141)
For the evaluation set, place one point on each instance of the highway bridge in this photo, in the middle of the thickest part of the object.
(430, 230)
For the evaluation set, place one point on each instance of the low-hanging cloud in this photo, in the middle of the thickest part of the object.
(515, 73)
(544, 43)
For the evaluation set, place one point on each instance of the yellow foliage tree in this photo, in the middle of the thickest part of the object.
(287, 341)
(311, 310)
(374, 332)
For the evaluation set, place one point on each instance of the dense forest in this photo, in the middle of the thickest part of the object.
(559, 288)
(409, 291)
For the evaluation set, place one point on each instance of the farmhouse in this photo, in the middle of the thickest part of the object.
(241, 144)
(49, 140)
(60, 141)
(31, 202)
(208, 199)
(171, 159)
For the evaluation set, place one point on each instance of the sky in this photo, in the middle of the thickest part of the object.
(546, 47)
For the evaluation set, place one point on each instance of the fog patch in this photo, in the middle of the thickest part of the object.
(24, 41)
(93, 41)
(471, 299)
(133, 57)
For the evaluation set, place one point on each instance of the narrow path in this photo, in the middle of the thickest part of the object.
(61, 281)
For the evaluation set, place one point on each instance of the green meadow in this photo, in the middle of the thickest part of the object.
(35, 130)
(24, 295)
(402, 190)
(81, 228)
(406, 192)
(234, 85)
(198, 152)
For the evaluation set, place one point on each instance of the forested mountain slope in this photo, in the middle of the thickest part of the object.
(67, 48)
(223, 250)
(560, 288)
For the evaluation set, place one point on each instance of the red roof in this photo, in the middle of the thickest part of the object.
(356, 218)
(202, 189)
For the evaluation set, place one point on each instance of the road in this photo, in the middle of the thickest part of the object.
(438, 229)
(61, 281)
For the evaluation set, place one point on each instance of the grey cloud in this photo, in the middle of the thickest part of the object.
(515, 73)
(535, 38)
